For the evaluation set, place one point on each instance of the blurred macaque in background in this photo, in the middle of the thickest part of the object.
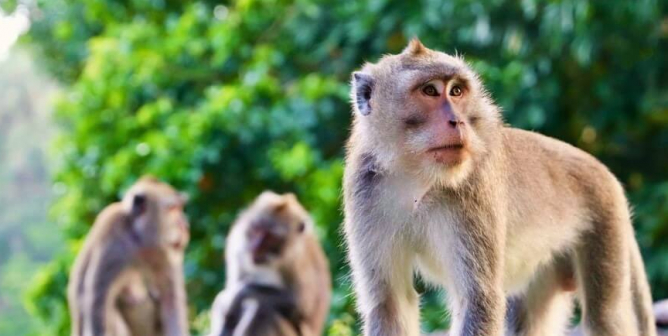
(278, 279)
(128, 277)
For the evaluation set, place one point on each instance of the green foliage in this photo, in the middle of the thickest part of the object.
(225, 100)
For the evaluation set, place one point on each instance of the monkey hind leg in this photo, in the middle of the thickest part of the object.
(642, 298)
(603, 267)
(546, 306)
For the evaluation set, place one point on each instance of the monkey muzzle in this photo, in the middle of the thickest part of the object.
(448, 154)
(265, 244)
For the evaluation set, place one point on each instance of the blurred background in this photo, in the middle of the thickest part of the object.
(227, 98)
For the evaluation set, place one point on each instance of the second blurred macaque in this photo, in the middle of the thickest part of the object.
(278, 279)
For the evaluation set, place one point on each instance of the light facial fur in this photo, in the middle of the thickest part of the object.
(272, 245)
(128, 277)
(510, 222)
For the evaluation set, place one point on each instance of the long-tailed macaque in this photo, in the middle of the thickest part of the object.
(435, 183)
(278, 279)
(128, 276)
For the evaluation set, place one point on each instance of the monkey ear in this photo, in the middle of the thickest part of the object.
(138, 205)
(414, 47)
(362, 88)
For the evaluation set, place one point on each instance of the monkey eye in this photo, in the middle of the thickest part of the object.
(430, 90)
(301, 227)
(433, 88)
(456, 91)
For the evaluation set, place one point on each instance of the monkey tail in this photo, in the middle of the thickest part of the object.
(641, 295)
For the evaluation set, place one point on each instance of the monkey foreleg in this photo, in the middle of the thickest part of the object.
(386, 297)
(478, 299)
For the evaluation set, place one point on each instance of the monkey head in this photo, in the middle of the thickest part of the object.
(273, 225)
(425, 110)
(156, 211)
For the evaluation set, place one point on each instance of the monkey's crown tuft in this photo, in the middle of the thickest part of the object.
(415, 47)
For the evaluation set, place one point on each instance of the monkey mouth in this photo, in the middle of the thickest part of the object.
(260, 259)
(448, 154)
(455, 146)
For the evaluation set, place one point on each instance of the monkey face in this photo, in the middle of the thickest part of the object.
(177, 228)
(266, 241)
(435, 123)
(275, 223)
(157, 211)
(423, 107)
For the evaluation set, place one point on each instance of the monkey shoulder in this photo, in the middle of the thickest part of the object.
(363, 174)
(105, 236)
(314, 258)
(110, 221)
(316, 251)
